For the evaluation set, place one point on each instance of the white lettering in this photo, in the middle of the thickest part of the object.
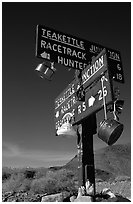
(64, 50)
(43, 43)
(69, 92)
(84, 106)
(59, 49)
(71, 63)
(114, 55)
(49, 46)
(82, 44)
(63, 38)
(74, 53)
(67, 117)
(98, 64)
(59, 37)
(54, 47)
(101, 61)
(68, 38)
(43, 32)
(49, 33)
(83, 56)
(54, 36)
(79, 109)
(68, 105)
(95, 49)
(69, 51)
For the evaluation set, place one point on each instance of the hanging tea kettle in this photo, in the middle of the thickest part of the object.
(110, 129)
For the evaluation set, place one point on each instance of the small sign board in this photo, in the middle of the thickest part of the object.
(67, 105)
(61, 48)
(93, 99)
(73, 52)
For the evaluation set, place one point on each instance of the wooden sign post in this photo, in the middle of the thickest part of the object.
(86, 167)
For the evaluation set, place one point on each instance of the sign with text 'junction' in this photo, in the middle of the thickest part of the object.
(67, 106)
(73, 52)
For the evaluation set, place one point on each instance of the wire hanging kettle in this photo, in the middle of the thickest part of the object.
(109, 129)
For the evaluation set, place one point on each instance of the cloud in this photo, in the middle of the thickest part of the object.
(48, 155)
(17, 156)
(10, 150)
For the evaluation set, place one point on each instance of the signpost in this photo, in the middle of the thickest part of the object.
(74, 52)
(89, 92)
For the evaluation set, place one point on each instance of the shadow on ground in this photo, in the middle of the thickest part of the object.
(122, 199)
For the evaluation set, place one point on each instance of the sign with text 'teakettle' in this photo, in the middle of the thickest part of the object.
(73, 52)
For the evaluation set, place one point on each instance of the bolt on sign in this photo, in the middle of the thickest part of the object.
(67, 106)
(73, 52)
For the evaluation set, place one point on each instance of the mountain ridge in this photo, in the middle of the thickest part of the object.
(110, 161)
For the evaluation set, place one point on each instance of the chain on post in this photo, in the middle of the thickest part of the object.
(104, 101)
(114, 111)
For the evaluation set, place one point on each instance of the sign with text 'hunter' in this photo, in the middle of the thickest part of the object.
(73, 52)
(67, 105)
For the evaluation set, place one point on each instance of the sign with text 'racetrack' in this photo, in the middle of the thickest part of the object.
(73, 52)
(67, 106)
(61, 48)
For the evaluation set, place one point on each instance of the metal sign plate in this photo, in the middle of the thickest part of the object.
(73, 52)
(67, 105)
(114, 60)
(61, 48)
(93, 99)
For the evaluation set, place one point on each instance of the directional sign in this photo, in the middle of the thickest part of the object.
(61, 48)
(93, 99)
(73, 52)
(67, 106)
(64, 105)
(114, 60)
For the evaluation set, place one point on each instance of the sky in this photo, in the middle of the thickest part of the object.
(28, 129)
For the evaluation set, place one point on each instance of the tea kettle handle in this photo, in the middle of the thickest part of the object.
(104, 101)
(114, 112)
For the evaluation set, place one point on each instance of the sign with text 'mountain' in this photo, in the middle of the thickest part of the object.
(67, 106)
(73, 52)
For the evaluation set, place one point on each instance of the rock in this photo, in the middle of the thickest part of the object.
(53, 198)
(72, 198)
(110, 196)
(89, 188)
(83, 199)
(122, 199)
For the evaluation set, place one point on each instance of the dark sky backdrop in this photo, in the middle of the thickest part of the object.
(28, 101)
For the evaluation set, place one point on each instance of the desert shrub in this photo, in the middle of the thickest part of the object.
(6, 173)
(122, 178)
(50, 185)
(25, 186)
(54, 182)
(40, 172)
(65, 180)
(43, 185)
(5, 176)
(29, 174)
(62, 174)
(13, 183)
